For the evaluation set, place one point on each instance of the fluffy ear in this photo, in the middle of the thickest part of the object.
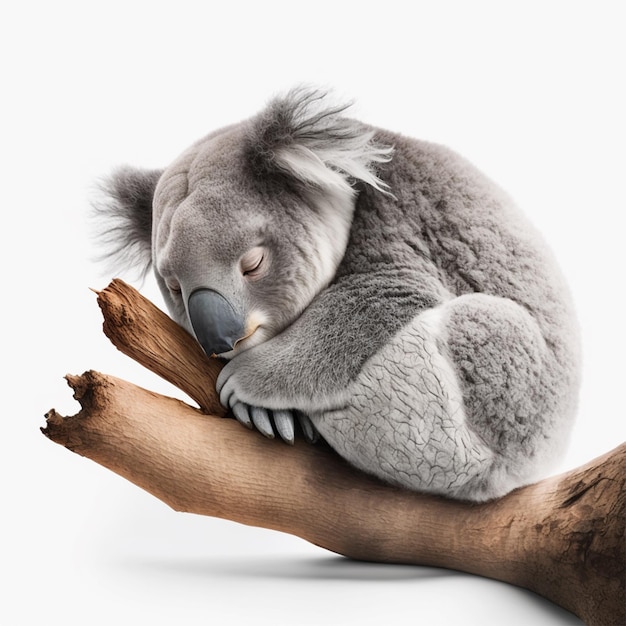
(308, 140)
(124, 218)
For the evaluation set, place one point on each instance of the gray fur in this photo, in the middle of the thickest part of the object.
(405, 305)
(124, 216)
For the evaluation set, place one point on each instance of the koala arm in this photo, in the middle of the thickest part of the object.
(310, 365)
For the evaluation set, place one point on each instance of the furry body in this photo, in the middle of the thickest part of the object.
(402, 302)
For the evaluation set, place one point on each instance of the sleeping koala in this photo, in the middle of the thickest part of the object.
(366, 286)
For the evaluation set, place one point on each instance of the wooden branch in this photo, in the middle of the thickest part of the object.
(562, 537)
(143, 332)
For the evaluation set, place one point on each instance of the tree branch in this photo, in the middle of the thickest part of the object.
(562, 537)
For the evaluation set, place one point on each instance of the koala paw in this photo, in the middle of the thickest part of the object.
(270, 423)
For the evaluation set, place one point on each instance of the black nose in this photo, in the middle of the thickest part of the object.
(214, 320)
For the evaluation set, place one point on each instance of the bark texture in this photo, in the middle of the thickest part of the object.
(563, 537)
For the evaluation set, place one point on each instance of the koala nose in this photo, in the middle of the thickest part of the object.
(216, 324)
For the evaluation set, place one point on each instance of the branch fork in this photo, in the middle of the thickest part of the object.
(563, 537)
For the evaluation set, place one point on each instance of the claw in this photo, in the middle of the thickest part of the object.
(240, 411)
(283, 420)
(225, 395)
(262, 421)
(308, 430)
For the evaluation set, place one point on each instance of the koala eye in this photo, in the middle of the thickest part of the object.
(251, 263)
(173, 286)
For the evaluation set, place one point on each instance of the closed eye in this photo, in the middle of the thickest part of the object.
(173, 286)
(251, 263)
(254, 268)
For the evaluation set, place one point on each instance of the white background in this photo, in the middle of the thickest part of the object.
(531, 92)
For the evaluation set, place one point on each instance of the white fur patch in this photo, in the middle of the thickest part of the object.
(306, 166)
(256, 333)
(334, 164)
(433, 321)
(404, 419)
(336, 209)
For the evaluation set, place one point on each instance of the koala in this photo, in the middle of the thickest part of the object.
(365, 287)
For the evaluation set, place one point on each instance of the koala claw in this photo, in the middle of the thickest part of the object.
(240, 411)
(308, 430)
(269, 423)
(283, 420)
(261, 419)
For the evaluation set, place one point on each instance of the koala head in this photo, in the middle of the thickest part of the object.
(250, 223)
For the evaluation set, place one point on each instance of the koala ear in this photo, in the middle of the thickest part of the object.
(123, 218)
(309, 141)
